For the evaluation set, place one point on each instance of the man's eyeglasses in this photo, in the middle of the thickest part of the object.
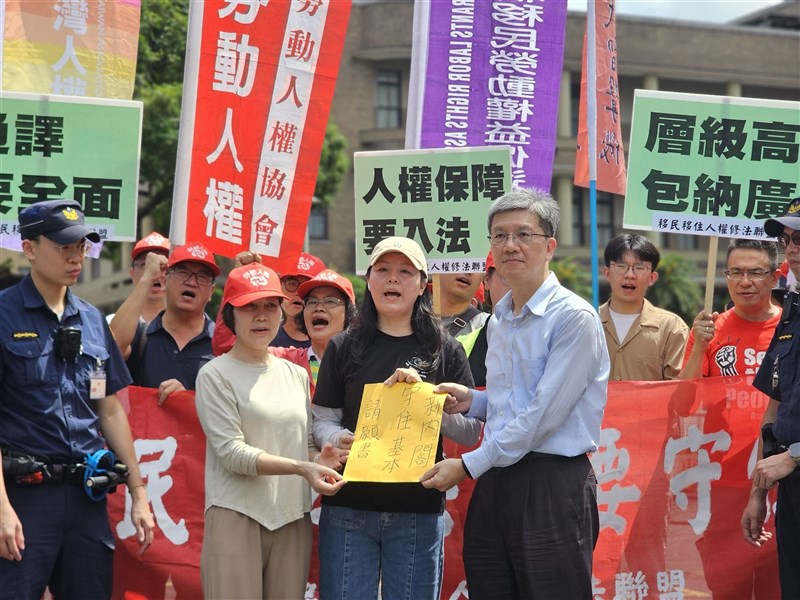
(523, 238)
(81, 248)
(751, 274)
(329, 302)
(184, 275)
(623, 268)
(290, 284)
(785, 238)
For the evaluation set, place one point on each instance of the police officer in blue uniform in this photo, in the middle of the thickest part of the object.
(778, 377)
(59, 373)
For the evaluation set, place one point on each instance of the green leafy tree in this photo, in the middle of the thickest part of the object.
(573, 276)
(677, 289)
(159, 85)
(359, 286)
(333, 165)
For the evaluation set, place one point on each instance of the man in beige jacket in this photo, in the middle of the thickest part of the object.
(645, 343)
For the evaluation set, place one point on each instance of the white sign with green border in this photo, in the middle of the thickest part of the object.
(437, 197)
(710, 165)
(86, 149)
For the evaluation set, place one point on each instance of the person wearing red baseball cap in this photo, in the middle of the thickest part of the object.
(329, 306)
(255, 410)
(167, 352)
(156, 244)
(307, 267)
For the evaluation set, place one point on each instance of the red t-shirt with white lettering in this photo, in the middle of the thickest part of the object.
(737, 349)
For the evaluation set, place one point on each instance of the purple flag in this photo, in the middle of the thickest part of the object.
(489, 74)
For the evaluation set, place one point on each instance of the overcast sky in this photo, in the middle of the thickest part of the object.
(708, 11)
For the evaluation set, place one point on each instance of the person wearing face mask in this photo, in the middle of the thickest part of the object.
(255, 411)
(390, 533)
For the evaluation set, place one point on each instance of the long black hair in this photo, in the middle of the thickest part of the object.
(425, 324)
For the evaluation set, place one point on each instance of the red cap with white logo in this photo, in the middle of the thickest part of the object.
(308, 265)
(152, 242)
(331, 278)
(194, 252)
(250, 283)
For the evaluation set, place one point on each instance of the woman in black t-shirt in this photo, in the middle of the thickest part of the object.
(386, 534)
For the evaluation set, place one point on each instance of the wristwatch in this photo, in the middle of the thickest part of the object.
(794, 453)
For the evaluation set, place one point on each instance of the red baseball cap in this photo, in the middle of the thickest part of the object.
(331, 278)
(480, 295)
(250, 283)
(308, 265)
(152, 242)
(193, 252)
(489, 262)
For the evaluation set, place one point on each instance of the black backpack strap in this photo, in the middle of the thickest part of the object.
(461, 320)
(135, 365)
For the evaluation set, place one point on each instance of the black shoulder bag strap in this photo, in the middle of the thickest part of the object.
(461, 320)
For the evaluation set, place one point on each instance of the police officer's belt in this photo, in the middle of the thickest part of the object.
(28, 470)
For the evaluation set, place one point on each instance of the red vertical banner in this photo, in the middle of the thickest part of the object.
(170, 447)
(259, 83)
(610, 159)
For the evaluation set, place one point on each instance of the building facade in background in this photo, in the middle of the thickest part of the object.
(756, 56)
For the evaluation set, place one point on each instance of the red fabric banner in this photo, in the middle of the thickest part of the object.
(610, 159)
(260, 80)
(170, 446)
(672, 471)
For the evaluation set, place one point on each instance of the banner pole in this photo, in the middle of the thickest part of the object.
(711, 270)
(591, 122)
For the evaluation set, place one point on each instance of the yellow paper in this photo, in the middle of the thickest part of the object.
(397, 433)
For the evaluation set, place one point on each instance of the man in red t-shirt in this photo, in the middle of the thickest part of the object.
(733, 344)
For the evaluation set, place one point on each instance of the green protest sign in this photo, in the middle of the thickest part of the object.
(710, 165)
(86, 149)
(438, 197)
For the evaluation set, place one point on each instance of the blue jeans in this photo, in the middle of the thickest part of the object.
(358, 549)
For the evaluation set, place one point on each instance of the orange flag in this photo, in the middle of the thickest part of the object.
(611, 173)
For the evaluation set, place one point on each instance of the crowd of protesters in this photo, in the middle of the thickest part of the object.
(279, 380)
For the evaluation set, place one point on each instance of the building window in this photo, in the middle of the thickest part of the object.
(318, 222)
(677, 241)
(581, 215)
(387, 101)
(575, 106)
(605, 218)
(577, 217)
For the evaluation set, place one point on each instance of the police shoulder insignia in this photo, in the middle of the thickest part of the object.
(25, 335)
(785, 336)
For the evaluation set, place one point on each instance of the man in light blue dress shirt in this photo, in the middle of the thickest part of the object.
(533, 521)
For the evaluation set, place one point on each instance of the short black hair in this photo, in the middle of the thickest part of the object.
(228, 318)
(642, 248)
(770, 247)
